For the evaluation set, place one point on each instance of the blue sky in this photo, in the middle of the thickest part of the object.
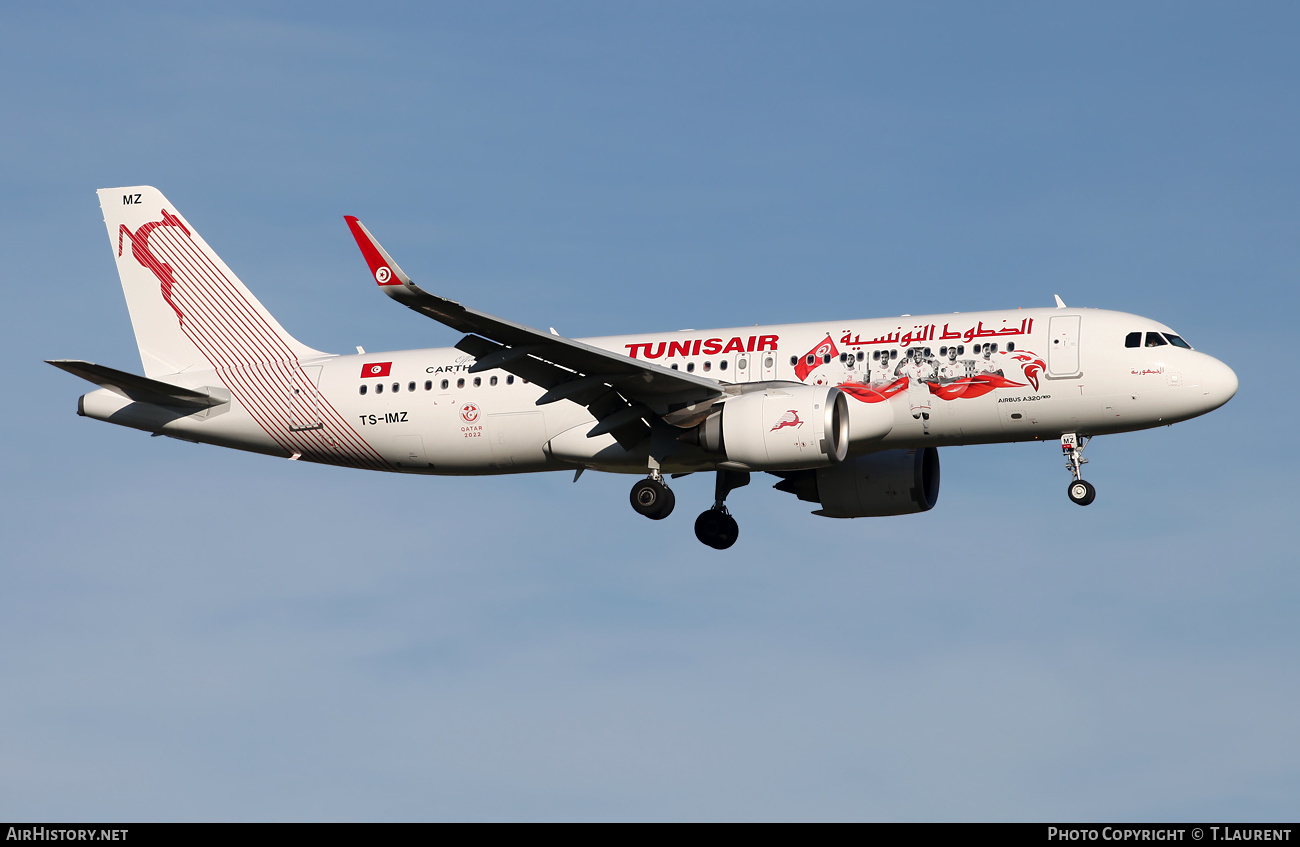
(188, 633)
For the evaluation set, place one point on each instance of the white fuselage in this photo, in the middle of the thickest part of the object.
(1017, 375)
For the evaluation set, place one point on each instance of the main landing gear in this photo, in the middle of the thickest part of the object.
(714, 527)
(1072, 445)
(650, 497)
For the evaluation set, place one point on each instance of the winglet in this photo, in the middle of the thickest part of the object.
(382, 267)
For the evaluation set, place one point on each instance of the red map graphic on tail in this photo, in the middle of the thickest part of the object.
(140, 252)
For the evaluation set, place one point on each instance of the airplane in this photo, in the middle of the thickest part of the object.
(846, 414)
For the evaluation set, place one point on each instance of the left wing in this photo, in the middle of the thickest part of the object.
(622, 393)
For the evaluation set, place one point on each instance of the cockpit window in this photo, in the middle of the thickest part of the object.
(1155, 339)
(1133, 339)
(1177, 342)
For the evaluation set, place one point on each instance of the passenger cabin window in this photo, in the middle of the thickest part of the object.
(428, 385)
(363, 388)
(445, 383)
(510, 380)
(478, 381)
(1154, 339)
(460, 383)
(379, 388)
(1133, 339)
(397, 386)
(708, 366)
(492, 381)
(722, 366)
(411, 386)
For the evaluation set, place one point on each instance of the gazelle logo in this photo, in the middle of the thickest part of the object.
(383, 275)
(469, 413)
(790, 418)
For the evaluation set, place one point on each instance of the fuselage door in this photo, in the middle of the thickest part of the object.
(769, 365)
(744, 363)
(1063, 346)
(304, 399)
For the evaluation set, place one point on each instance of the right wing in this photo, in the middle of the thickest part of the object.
(622, 393)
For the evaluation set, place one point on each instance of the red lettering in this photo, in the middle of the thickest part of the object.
(750, 347)
(713, 345)
(735, 345)
(767, 342)
(632, 348)
(658, 351)
(695, 351)
(679, 348)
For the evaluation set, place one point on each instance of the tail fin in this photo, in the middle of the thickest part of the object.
(187, 308)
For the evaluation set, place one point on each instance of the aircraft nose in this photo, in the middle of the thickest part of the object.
(1218, 382)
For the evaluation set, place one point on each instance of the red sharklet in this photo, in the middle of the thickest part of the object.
(141, 253)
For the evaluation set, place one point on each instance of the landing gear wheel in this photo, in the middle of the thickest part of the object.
(717, 529)
(652, 498)
(1082, 492)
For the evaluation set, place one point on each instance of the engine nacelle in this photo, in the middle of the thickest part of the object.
(784, 427)
(869, 422)
(890, 482)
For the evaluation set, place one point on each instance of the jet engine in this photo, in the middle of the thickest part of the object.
(784, 427)
(890, 482)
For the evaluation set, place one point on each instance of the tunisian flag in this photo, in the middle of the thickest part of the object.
(826, 348)
(376, 369)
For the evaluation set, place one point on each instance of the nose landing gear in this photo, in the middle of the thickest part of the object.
(1079, 491)
(716, 527)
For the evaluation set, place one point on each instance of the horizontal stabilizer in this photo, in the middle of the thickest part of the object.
(138, 388)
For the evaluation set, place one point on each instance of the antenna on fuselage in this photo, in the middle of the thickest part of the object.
(1060, 304)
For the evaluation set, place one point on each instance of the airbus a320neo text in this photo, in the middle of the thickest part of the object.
(847, 414)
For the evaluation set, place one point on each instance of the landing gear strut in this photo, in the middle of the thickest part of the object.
(716, 527)
(650, 497)
(1072, 446)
